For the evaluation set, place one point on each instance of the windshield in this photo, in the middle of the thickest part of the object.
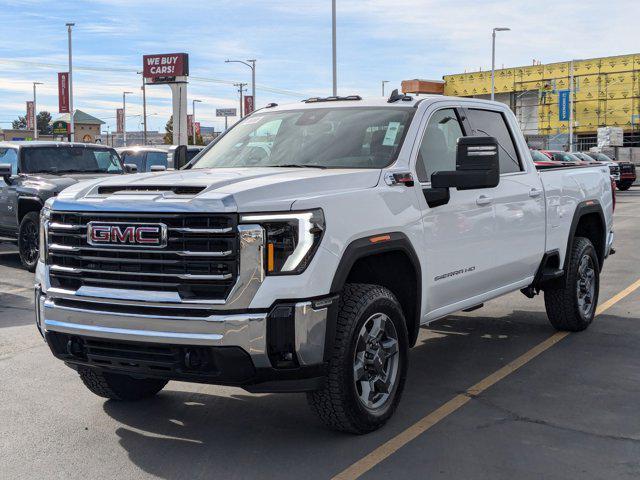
(360, 137)
(70, 160)
(564, 157)
(539, 156)
(600, 157)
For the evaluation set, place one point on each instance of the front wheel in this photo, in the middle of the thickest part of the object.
(28, 240)
(624, 186)
(368, 363)
(572, 300)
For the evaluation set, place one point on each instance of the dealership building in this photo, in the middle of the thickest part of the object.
(606, 93)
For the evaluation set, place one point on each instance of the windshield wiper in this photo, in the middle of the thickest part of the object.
(300, 165)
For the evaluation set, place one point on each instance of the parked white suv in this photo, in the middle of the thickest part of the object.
(304, 248)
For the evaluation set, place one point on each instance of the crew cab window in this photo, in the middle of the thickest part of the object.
(438, 147)
(493, 124)
(10, 156)
(156, 158)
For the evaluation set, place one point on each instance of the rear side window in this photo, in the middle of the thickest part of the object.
(10, 156)
(156, 158)
(493, 124)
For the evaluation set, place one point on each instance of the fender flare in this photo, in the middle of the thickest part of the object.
(584, 208)
(362, 248)
(26, 199)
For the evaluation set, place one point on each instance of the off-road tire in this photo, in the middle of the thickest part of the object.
(337, 403)
(30, 221)
(120, 387)
(624, 186)
(560, 298)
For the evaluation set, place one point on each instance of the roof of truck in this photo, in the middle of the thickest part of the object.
(38, 143)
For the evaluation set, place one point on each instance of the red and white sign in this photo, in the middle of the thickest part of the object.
(63, 92)
(248, 104)
(189, 124)
(119, 120)
(165, 65)
(30, 115)
(197, 129)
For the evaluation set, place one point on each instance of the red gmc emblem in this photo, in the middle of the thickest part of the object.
(132, 235)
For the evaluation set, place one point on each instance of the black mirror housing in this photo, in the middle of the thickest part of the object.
(477, 165)
(180, 157)
(131, 168)
(6, 172)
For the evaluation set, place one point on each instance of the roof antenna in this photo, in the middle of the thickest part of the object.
(395, 96)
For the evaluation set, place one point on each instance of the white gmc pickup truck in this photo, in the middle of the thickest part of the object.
(303, 250)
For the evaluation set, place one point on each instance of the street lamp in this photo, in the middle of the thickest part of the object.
(252, 65)
(144, 108)
(35, 116)
(333, 48)
(193, 119)
(71, 121)
(124, 117)
(493, 57)
(383, 82)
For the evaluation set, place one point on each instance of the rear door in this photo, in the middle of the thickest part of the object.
(518, 200)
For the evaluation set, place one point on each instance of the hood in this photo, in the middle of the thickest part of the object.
(216, 189)
(56, 183)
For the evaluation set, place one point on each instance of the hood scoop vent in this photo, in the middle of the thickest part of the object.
(177, 190)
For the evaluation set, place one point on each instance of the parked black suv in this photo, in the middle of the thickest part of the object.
(31, 172)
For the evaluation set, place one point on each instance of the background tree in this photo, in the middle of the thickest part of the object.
(43, 120)
(168, 129)
(20, 123)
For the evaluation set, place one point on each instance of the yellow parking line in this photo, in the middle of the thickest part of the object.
(393, 445)
(15, 290)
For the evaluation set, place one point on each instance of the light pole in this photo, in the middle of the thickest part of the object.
(144, 109)
(71, 121)
(193, 119)
(493, 58)
(333, 47)
(240, 89)
(252, 65)
(383, 82)
(124, 118)
(35, 116)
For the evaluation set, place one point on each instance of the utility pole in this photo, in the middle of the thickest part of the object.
(144, 109)
(71, 120)
(35, 115)
(124, 118)
(571, 106)
(333, 44)
(493, 58)
(383, 82)
(240, 89)
(193, 120)
(252, 65)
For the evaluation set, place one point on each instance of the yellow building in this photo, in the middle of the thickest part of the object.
(606, 93)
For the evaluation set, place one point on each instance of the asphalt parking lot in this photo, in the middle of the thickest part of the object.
(492, 394)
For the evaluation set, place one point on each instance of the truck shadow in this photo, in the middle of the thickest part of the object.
(183, 434)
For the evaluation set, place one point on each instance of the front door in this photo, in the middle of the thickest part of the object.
(8, 206)
(458, 249)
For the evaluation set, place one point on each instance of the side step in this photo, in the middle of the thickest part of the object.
(475, 307)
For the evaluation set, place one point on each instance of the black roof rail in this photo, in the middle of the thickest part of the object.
(271, 105)
(332, 99)
(395, 96)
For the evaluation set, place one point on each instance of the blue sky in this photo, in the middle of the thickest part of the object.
(377, 40)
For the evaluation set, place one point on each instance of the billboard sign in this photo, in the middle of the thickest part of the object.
(63, 92)
(119, 120)
(248, 104)
(563, 105)
(60, 127)
(165, 67)
(30, 115)
(226, 112)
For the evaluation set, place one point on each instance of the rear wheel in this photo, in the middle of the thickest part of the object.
(368, 362)
(572, 300)
(624, 186)
(120, 387)
(28, 240)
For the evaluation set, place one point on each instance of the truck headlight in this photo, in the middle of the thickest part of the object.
(45, 215)
(292, 239)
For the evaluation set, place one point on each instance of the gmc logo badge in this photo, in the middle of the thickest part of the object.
(132, 235)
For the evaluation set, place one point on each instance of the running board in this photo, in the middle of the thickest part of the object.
(475, 307)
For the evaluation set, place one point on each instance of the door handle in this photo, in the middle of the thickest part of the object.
(534, 192)
(484, 200)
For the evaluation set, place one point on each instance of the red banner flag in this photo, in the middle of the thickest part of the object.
(30, 115)
(119, 120)
(189, 125)
(248, 104)
(197, 128)
(63, 92)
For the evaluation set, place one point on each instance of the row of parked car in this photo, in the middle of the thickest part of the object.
(623, 173)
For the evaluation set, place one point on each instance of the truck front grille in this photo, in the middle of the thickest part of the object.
(199, 261)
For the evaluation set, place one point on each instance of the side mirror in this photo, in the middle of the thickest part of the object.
(6, 172)
(131, 168)
(158, 168)
(477, 165)
(180, 157)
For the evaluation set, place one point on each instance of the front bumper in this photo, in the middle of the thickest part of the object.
(281, 349)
